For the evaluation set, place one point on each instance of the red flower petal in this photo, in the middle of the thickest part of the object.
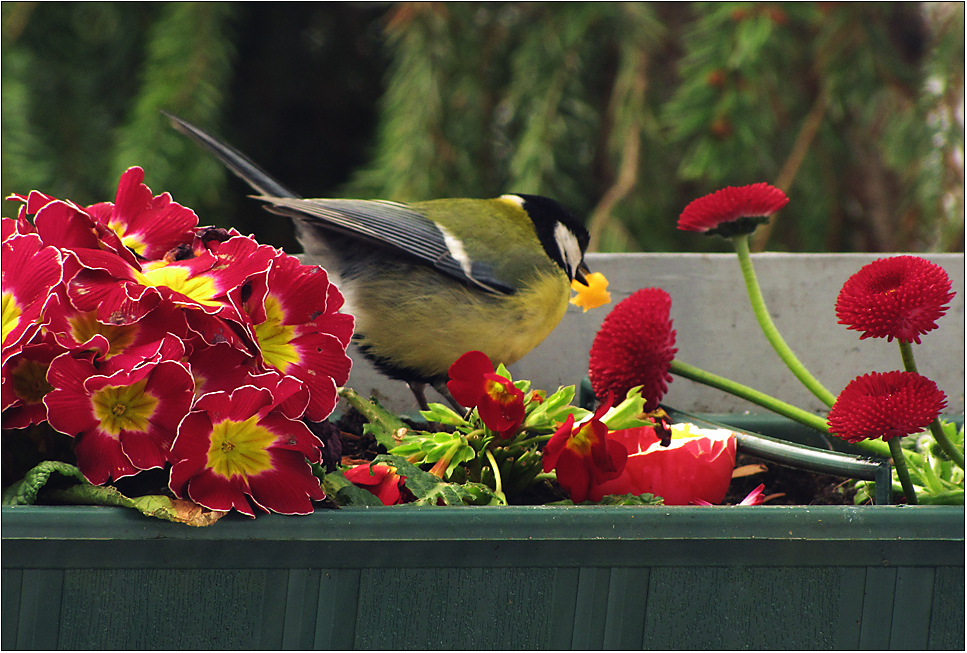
(635, 346)
(885, 405)
(689, 470)
(733, 211)
(383, 481)
(898, 297)
(467, 380)
(30, 270)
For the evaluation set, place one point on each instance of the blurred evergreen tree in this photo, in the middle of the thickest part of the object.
(623, 111)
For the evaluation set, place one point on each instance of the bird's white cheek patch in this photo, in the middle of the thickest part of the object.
(567, 244)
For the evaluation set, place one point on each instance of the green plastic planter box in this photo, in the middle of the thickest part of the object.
(489, 578)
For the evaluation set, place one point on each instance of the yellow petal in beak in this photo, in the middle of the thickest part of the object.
(592, 293)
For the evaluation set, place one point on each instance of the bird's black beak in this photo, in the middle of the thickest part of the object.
(580, 274)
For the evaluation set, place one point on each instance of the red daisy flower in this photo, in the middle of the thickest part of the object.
(732, 211)
(885, 405)
(473, 383)
(585, 456)
(898, 297)
(635, 346)
(247, 445)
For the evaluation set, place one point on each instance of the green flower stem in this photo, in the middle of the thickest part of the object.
(537, 439)
(910, 365)
(499, 488)
(741, 244)
(900, 463)
(749, 394)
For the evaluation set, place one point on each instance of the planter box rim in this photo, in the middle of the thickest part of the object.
(514, 523)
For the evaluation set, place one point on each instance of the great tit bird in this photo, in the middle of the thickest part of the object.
(430, 281)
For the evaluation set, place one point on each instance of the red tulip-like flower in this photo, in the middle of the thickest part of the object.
(473, 383)
(246, 446)
(898, 297)
(885, 405)
(585, 456)
(733, 211)
(635, 346)
(29, 272)
(696, 466)
(124, 417)
(294, 319)
(381, 480)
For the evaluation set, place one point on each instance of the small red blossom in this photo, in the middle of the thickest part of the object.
(635, 346)
(149, 226)
(30, 270)
(585, 456)
(123, 420)
(295, 321)
(732, 211)
(25, 383)
(885, 405)
(381, 480)
(473, 383)
(696, 465)
(244, 448)
(898, 297)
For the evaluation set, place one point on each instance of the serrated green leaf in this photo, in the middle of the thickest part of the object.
(627, 414)
(428, 489)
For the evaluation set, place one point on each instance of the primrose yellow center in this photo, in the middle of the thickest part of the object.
(85, 326)
(30, 381)
(498, 392)
(131, 241)
(275, 338)
(127, 408)
(11, 314)
(582, 439)
(240, 448)
(200, 288)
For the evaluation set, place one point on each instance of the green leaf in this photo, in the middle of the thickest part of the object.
(346, 493)
(627, 414)
(441, 414)
(430, 490)
(24, 492)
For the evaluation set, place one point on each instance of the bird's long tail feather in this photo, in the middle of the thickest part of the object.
(237, 162)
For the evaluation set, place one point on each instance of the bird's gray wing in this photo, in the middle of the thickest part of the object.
(396, 227)
(386, 224)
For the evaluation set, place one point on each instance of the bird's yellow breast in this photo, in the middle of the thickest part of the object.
(428, 332)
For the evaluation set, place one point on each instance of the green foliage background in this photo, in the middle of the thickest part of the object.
(623, 111)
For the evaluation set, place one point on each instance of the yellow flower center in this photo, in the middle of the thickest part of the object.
(275, 338)
(30, 381)
(85, 326)
(582, 439)
(11, 314)
(240, 448)
(127, 408)
(200, 288)
(131, 241)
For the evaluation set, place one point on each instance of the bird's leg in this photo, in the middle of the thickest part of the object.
(419, 391)
(443, 390)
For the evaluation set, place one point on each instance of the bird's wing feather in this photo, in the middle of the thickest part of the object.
(398, 227)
